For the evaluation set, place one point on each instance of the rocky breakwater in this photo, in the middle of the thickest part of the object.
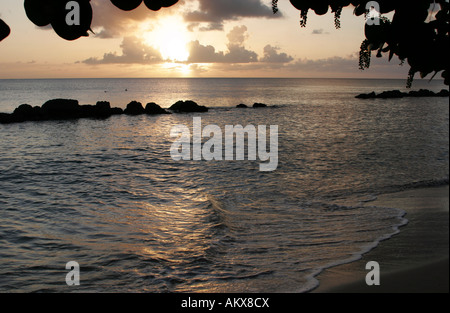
(59, 109)
(255, 106)
(188, 107)
(397, 94)
(65, 109)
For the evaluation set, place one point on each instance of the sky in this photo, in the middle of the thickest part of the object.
(194, 38)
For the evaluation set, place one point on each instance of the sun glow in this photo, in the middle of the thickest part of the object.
(171, 37)
(183, 69)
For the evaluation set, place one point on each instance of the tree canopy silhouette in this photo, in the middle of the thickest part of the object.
(412, 35)
(4, 30)
(57, 12)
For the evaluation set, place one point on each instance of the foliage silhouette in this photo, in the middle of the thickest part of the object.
(4, 30)
(412, 35)
(54, 12)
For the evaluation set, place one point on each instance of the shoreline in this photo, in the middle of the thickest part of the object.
(416, 260)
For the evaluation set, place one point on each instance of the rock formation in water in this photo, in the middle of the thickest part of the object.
(154, 109)
(259, 105)
(422, 93)
(66, 109)
(188, 107)
(134, 108)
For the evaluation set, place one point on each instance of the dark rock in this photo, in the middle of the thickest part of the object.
(6, 118)
(242, 106)
(26, 112)
(103, 109)
(103, 106)
(371, 95)
(188, 107)
(134, 108)
(260, 105)
(37, 114)
(100, 110)
(61, 109)
(392, 94)
(116, 111)
(154, 109)
(443, 93)
(398, 94)
(422, 93)
(87, 110)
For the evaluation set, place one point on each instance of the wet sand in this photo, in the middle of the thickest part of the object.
(414, 261)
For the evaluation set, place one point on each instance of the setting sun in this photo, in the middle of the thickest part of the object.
(171, 38)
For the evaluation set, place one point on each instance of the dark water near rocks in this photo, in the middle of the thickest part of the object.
(107, 194)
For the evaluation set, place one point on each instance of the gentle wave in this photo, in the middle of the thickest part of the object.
(107, 194)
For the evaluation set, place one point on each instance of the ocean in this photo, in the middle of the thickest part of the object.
(107, 194)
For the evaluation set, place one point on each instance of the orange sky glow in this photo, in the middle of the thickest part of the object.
(191, 39)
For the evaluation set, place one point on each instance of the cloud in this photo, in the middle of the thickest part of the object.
(237, 53)
(238, 35)
(337, 64)
(216, 12)
(199, 53)
(133, 52)
(347, 66)
(209, 27)
(203, 54)
(111, 22)
(271, 55)
(319, 32)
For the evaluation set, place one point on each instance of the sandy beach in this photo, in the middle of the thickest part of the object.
(414, 261)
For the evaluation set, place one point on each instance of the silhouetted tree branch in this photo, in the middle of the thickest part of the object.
(412, 35)
(4, 30)
(57, 13)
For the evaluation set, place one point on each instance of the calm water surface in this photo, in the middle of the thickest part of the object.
(107, 194)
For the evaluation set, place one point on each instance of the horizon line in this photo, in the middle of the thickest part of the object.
(213, 77)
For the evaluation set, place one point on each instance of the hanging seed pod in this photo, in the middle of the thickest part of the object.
(410, 79)
(364, 55)
(337, 18)
(275, 6)
(303, 17)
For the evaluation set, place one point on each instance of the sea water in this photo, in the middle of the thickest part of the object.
(107, 194)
